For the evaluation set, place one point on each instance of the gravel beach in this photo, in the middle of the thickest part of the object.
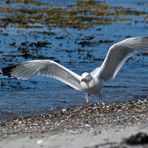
(92, 125)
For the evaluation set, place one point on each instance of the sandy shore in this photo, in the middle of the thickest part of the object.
(90, 126)
(93, 138)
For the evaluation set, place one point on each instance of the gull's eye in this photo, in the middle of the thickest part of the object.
(88, 77)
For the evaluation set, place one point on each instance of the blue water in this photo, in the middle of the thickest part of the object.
(37, 95)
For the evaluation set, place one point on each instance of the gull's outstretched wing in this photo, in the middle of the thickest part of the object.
(46, 68)
(118, 54)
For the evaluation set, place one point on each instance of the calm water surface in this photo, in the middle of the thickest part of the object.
(65, 45)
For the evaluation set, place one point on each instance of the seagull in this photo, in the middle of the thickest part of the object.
(90, 83)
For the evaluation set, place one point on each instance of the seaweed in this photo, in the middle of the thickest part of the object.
(81, 15)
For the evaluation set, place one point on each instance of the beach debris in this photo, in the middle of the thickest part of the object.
(139, 138)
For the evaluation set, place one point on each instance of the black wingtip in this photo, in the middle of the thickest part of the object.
(6, 71)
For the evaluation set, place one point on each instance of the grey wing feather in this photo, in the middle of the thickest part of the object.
(118, 54)
(46, 68)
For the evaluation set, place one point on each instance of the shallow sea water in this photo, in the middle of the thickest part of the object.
(37, 95)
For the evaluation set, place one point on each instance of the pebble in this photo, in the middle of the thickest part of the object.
(39, 141)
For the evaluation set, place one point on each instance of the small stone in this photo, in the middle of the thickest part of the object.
(64, 110)
(39, 141)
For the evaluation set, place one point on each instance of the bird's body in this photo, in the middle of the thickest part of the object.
(91, 83)
(93, 86)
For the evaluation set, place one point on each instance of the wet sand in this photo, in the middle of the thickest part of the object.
(82, 126)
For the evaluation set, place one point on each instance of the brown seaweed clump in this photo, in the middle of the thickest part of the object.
(82, 14)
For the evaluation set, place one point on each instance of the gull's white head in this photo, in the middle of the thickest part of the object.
(86, 77)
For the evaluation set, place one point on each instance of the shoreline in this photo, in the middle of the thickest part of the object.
(90, 125)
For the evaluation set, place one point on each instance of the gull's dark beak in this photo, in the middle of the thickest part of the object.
(83, 80)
